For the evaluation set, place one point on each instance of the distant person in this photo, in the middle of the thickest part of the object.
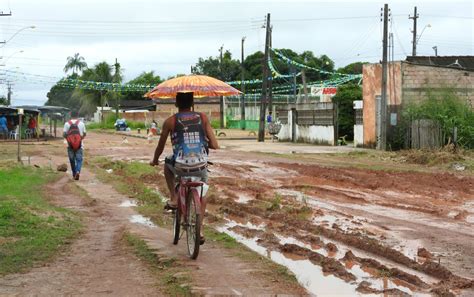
(32, 126)
(269, 117)
(154, 128)
(74, 132)
(3, 126)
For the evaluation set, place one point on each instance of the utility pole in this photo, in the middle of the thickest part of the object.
(116, 79)
(435, 48)
(270, 82)
(9, 94)
(382, 141)
(221, 98)
(20, 115)
(414, 17)
(294, 84)
(242, 110)
(263, 100)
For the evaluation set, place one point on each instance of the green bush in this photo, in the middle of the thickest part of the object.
(450, 111)
(215, 124)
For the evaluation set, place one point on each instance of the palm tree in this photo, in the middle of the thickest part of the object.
(90, 99)
(76, 63)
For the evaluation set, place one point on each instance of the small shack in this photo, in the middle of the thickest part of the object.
(48, 118)
(28, 123)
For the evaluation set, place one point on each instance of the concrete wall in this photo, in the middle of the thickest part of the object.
(358, 135)
(315, 134)
(285, 133)
(371, 87)
(307, 134)
(418, 79)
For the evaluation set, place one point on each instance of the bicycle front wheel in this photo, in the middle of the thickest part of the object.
(193, 226)
(176, 225)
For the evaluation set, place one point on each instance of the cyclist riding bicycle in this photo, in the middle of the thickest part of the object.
(191, 137)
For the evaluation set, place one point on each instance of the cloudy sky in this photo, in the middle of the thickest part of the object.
(169, 36)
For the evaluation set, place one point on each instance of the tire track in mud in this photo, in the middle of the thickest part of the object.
(285, 225)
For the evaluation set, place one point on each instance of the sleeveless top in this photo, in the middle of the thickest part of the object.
(189, 140)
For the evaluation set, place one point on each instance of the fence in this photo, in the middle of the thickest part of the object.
(425, 134)
(309, 123)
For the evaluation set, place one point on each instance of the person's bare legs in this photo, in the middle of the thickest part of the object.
(169, 176)
(203, 212)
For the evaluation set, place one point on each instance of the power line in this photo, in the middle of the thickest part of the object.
(85, 21)
(327, 19)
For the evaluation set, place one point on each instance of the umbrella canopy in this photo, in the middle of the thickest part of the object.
(200, 85)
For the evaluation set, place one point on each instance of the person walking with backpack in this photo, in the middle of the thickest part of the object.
(74, 132)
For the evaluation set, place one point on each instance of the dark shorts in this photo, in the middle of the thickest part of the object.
(169, 163)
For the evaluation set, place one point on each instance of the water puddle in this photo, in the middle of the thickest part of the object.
(308, 275)
(312, 277)
(243, 198)
(139, 219)
(128, 203)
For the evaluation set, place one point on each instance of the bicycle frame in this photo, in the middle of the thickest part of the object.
(183, 189)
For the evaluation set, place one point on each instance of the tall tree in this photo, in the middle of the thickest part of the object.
(75, 63)
(344, 98)
(91, 99)
(228, 70)
(145, 78)
(353, 68)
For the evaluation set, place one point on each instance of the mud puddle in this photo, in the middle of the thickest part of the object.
(128, 203)
(141, 220)
(312, 276)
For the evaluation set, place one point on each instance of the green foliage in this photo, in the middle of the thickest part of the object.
(75, 63)
(228, 70)
(145, 78)
(275, 204)
(344, 98)
(215, 124)
(109, 122)
(353, 68)
(61, 96)
(3, 101)
(31, 230)
(449, 110)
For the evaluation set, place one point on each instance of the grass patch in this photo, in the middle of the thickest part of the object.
(129, 178)
(168, 271)
(109, 122)
(31, 230)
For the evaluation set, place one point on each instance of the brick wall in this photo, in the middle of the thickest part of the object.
(419, 79)
(371, 87)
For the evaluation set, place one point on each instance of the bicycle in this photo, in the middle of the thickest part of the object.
(190, 191)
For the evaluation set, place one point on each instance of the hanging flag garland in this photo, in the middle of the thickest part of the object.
(300, 65)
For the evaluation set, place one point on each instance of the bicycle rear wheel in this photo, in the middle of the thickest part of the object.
(193, 226)
(176, 225)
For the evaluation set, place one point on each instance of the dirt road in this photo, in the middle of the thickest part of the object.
(415, 228)
(342, 231)
(98, 264)
(95, 265)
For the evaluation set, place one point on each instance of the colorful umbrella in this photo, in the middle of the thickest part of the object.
(200, 85)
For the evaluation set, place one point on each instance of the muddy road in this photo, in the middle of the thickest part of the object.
(341, 230)
(359, 230)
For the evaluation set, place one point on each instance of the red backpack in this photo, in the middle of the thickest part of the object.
(73, 136)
